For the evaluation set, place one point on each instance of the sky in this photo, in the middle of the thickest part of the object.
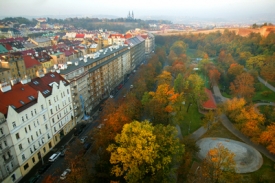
(141, 8)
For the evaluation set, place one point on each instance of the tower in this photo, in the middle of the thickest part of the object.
(132, 14)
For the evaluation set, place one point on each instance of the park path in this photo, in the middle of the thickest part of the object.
(227, 124)
(266, 84)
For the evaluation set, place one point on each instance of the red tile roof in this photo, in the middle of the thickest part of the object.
(43, 82)
(210, 103)
(30, 61)
(13, 97)
(144, 36)
(79, 35)
(8, 46)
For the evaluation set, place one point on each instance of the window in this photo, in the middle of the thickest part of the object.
(50, 145)
(17, 136)
(34, 147)
(37, 122)
(46, 126)
(20, 147)
(22, 118)
(29, 140)
(34, 111)
(53, 120)
(13, 177)
(33, 159)
(32, 137)
(44, 117)
(26, 130)
(13, 124)
(42, 107)
(1, 131)
(50, 102)
(51, 111)
(44, 149)
(26, 116)
(49, 136)
(34, 124)
(31, 113)
(5, 142)
(40, 131)
(54, 129)
(30, 127)
(26, 166)
(31, 150)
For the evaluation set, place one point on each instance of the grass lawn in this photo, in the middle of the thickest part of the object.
(191, 52)
(269, 98)
(192, 118)
(265, 174)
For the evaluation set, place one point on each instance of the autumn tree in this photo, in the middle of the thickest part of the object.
(195, 85)
(159, 104)
(164, 78)
(214, 76)
(211, 117)
(179, 84)
(268, 138)
(219, 165)
(235, 70)
(145, 152)
(267, 69)
(242, 86)
(179, 47)
(233, 107)
(256, 62)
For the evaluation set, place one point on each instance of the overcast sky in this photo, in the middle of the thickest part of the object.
(141, 8)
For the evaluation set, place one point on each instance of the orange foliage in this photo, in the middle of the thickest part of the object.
(268, 138)
(214, 76)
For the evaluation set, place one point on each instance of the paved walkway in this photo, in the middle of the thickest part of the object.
(266, 84)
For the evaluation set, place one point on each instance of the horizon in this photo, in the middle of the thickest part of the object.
(227, 10)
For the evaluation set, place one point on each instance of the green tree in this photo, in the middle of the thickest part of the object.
(145, 152)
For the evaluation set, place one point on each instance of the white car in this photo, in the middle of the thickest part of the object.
(111, 96)
(131, 86)
(82, 140)
(65, 173)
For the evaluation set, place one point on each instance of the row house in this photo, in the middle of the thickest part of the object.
(32, 66)
(137, 50)
(34, 116)
(95, 76)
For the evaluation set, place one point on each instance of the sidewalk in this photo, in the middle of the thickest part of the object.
(266, 84)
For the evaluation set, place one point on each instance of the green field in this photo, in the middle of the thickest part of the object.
(192, 118)
(258, 96)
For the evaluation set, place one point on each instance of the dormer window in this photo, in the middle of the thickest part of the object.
(22, 102)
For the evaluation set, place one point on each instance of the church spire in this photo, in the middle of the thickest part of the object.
(132, 14)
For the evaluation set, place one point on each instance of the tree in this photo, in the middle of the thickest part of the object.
(268, 138)
(164, 78)
(219, 165)
(235, 70)
(143, 151)
(178, 84)
(242, 86)
(196, 86)
(179, 47)
(233, 107)
(256, 62)
(210, 118)
(214, 76)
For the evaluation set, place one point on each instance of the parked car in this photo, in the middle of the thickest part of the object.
(77, 132)
(54, 156)
(131, 86)
(111, 96)
(34, 178)
(62, 154)
(65, 173)
(44, 168)
(83, 139)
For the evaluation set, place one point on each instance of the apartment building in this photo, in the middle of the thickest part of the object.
(34, 116)
(57, 93)
(15, 63)
(137, 50)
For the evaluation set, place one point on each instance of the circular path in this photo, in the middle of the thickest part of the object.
(247, 158)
